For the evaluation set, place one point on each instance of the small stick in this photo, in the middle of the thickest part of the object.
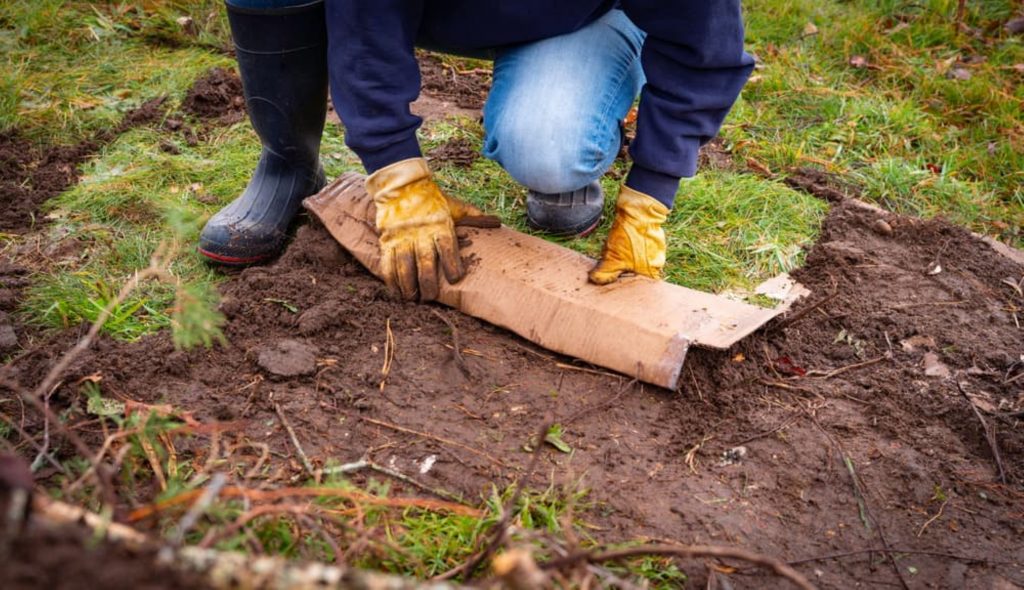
(990, 435)
(306, 464)
(784, 424)
(389, 353)
(858, 489)
(25, 436)
(367, 464)
(787, 386)
(38, 461)
(405, 478)
(456, 348)
(934, 518)
(569, 367)
(803, 312)
(433, 437)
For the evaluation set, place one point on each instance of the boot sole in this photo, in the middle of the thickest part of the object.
(233, 260)
(569, 233)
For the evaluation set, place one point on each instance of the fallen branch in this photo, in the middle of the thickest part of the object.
(685, 552)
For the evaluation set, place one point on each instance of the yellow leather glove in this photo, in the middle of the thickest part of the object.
(636, 242)
(416, 223)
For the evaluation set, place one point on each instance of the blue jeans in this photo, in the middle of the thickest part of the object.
(552, 117)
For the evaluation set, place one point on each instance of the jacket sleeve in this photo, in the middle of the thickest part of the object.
(695, 66)
(374, 76)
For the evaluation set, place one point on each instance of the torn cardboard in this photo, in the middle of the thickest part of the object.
(539, 290)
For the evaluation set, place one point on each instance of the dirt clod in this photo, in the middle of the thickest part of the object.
(217, 96)
(288, 358)
(458, 152)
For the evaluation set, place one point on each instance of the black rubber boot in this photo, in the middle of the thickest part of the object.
(574, 213)
(282, 57)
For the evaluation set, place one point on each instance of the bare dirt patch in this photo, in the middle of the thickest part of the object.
(30, 174)
(848, 435)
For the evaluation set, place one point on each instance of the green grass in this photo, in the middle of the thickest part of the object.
(913, 138)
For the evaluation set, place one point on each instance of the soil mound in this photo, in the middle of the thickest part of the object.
(835, 430)
(216, 97)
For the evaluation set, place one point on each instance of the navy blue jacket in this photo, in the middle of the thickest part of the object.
(693, 58)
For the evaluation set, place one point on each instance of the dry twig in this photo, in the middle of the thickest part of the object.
(990, 435)
(389, 353)
(303, 457)
(456, 347)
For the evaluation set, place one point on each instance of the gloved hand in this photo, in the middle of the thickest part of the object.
(416, 223)
(636, 242)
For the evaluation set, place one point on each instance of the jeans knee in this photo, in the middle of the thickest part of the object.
(550, 159)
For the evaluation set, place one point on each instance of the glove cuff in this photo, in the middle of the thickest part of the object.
(385, 181)
(633, 203)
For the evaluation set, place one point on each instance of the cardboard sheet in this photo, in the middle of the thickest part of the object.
(638, 326)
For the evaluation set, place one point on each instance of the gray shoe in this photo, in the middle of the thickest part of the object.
(574, 213)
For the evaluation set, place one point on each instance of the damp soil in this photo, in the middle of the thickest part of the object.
(69, 558)
(466, 89)
(456, 152)
(854, 432)
(216, 97)
(30, 174)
